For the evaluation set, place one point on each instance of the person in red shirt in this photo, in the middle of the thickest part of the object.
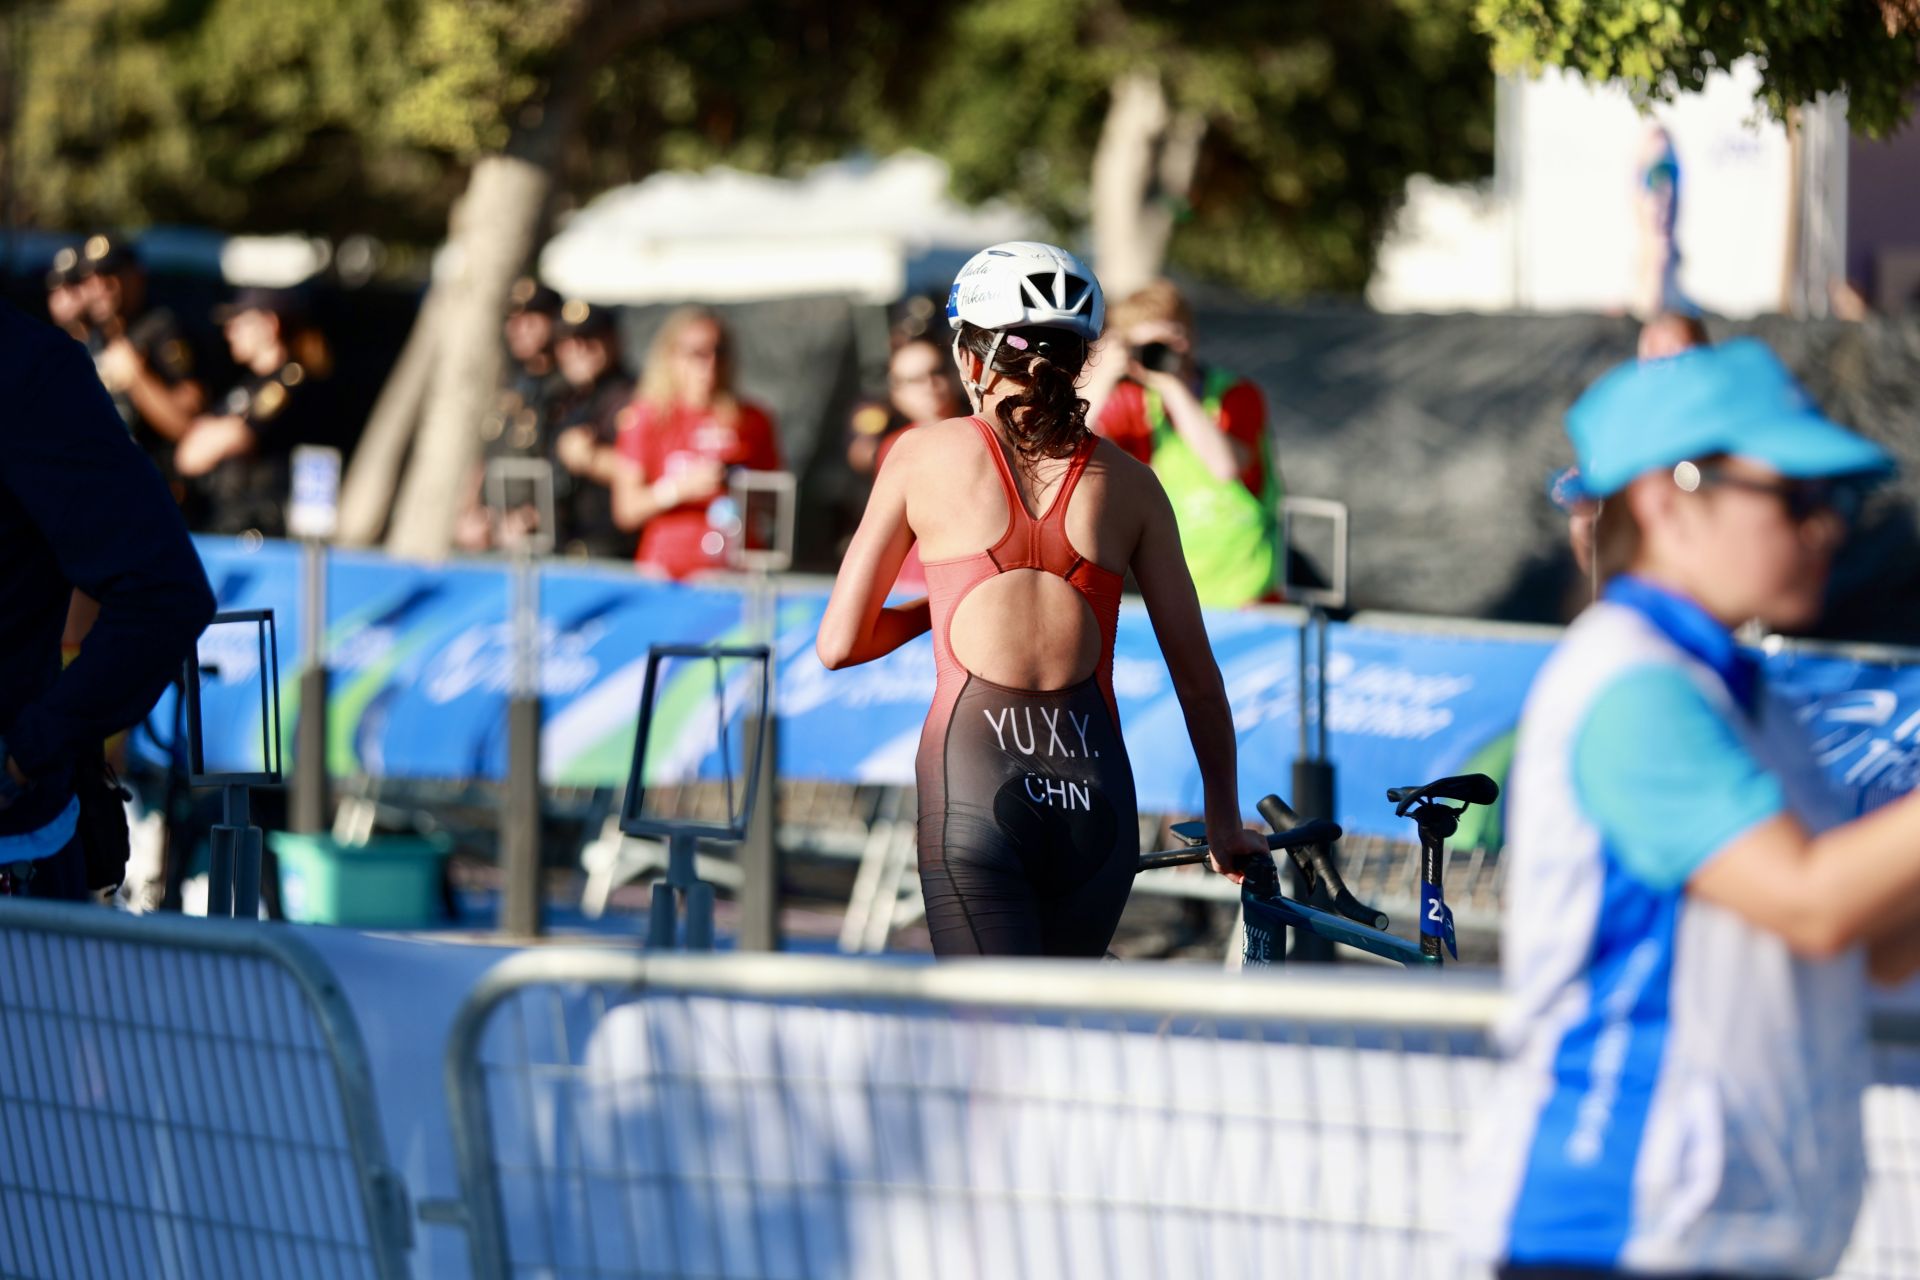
(682, 434)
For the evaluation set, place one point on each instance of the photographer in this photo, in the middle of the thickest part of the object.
(1203, 430)
(80, 509)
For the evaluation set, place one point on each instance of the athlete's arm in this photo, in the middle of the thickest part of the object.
(1857, 883)
(859, 625)
(1161, 570)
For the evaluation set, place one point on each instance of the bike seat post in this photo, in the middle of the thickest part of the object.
(1436, 822)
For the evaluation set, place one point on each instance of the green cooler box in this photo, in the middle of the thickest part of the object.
(390, 882)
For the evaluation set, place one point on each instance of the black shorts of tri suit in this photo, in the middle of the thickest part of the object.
(1029, 835)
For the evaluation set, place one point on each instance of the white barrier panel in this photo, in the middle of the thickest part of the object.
(795, 1117)
(183, 1099)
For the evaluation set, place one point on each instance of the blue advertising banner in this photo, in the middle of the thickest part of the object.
(421, 662)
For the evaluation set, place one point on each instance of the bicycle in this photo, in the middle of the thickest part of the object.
(1267, 913)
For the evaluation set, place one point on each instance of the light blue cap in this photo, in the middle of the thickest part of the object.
(1735, 398)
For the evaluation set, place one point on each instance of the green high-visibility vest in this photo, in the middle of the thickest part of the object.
(1230, 536)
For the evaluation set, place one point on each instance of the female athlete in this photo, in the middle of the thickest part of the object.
(1690, 916)
(1026, 524)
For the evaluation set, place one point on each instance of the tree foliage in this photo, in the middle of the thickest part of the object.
(1868, 49)
(228, 113)
(362, 115)
(1316, 114)
(336, 116)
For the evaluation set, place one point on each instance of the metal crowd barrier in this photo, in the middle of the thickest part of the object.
(184, 1099)
(787, 1116)
(618, 1115)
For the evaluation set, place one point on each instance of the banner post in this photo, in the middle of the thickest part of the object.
(313, 516)
(762, 543)
(1314, 794)
(522, 484)
(1313, 778)
(520, 900)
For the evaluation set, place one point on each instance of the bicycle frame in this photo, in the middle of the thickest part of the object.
(1267, 913)
(1266, 920)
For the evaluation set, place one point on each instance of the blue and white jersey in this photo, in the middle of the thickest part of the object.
(1680, 1092)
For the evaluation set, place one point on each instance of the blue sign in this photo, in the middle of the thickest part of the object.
(421, 662)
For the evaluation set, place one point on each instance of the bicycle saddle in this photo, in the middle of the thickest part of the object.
(1468, 788)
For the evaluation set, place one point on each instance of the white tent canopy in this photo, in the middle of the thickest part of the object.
(874, 230)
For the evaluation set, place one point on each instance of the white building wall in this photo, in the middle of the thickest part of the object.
(1558, 229)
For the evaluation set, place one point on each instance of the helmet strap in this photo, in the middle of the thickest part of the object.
(976, 392)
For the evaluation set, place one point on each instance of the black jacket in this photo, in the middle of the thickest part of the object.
(80, 506)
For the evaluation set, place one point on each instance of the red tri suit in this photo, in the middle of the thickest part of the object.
(1029, 834)
(664, 442)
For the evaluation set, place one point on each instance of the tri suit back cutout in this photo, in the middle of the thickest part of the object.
(1029, 834)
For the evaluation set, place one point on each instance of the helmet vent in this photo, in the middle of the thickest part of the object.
(1057, 290)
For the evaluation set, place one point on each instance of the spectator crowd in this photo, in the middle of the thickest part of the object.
(220, 427)
(640, 467)
(617, 463)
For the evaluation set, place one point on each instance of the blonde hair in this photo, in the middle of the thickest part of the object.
(1158, 301)
(660, 384)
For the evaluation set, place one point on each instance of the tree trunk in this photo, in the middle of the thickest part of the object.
(494, 228)
(1142, 173)
(366, 499)
(493, 239)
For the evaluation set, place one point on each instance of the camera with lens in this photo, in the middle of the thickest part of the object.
(1157, 356)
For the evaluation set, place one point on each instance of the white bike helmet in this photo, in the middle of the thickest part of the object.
(1024, 282)
(1021, 283)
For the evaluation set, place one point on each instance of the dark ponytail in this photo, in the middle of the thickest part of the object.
(1048, 419)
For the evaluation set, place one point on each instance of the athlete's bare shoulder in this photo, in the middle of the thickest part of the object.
(1119, 464)
(929, 442)
(1128, 479)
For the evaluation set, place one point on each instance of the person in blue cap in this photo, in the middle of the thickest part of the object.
(1690, 920)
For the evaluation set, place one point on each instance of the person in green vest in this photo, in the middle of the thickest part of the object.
(1203, 430)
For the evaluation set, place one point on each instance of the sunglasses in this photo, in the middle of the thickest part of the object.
(1803, 499)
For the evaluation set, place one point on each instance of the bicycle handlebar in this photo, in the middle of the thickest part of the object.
(1296, 837)
(1318, 868)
